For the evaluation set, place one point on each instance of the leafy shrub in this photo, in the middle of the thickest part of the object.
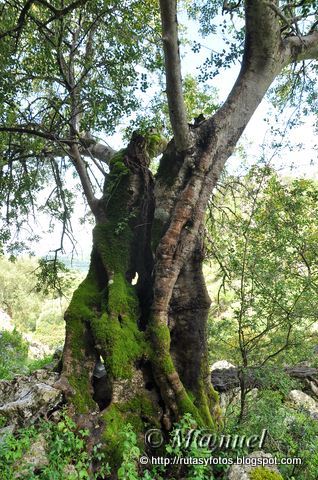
(13, 354)
(66, 447)
(291, 433)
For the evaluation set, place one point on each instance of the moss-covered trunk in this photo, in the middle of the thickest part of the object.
(136, 347)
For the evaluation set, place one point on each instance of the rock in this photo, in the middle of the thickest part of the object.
(58, 353)
(228, 378)
(242, 472)
(28, 397)
(5, 321)
(37, 350)
(56, 364)
(6, 431)
(301, 399)
(230, 397)
(221, 364)
(70, 472)
(313, 387)
(34, 460)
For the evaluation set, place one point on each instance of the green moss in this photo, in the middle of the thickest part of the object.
(114, 421)
(117, 165)
(80, 312)
(207, 401)
(262, 473)
(156, 144)
(160, 354)
(186, 405)
(121, 344)
(82, 400)
(122, 297)
(116, 331)
(143, 404)
(117, 415)
(114, 249)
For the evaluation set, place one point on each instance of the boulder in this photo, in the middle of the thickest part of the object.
(28, 397)
(221, 364)
(302, 400)
(37, 350)
(5, 321)
(256, 460)
(34, 460)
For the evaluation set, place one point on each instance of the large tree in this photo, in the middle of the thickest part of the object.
(71, 69)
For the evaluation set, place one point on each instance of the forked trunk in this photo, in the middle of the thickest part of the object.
(136, 347)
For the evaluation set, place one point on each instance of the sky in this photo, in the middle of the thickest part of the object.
(299, 160)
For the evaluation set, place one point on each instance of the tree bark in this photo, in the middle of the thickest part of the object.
(153, 363)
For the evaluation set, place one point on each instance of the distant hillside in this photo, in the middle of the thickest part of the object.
(75, 263)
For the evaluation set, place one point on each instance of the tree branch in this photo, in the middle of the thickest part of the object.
(88, 146)
(84, 178)
(91, 148)
(37, 133)
(261, 63)
(177, 110)
(296, 49)
(57, 13)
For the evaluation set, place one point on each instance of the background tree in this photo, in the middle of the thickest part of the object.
(69, 70)
(263, 235)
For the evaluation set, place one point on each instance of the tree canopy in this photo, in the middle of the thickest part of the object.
(70, 72)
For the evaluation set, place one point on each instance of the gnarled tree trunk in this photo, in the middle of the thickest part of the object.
(150, 336)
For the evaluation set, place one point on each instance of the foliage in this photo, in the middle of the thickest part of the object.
(291, 433)
(61, 77)
(262, 473)
(13, 354)
(66, 452)
(264, 238)
(197, 471)
(36, 316)
(199, 100)
(12, 450)
(26, 294)
(17, 295)
(128, 469)
(295, 87)
(53, 277)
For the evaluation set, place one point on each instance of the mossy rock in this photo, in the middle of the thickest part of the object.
(262, 473)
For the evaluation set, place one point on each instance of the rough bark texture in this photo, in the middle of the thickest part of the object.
(151, 336)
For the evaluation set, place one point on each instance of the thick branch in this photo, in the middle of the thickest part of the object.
(88, 146)
(260, 65)
(85, 180)
(93, 149)
(296, 49)
(177, 111)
